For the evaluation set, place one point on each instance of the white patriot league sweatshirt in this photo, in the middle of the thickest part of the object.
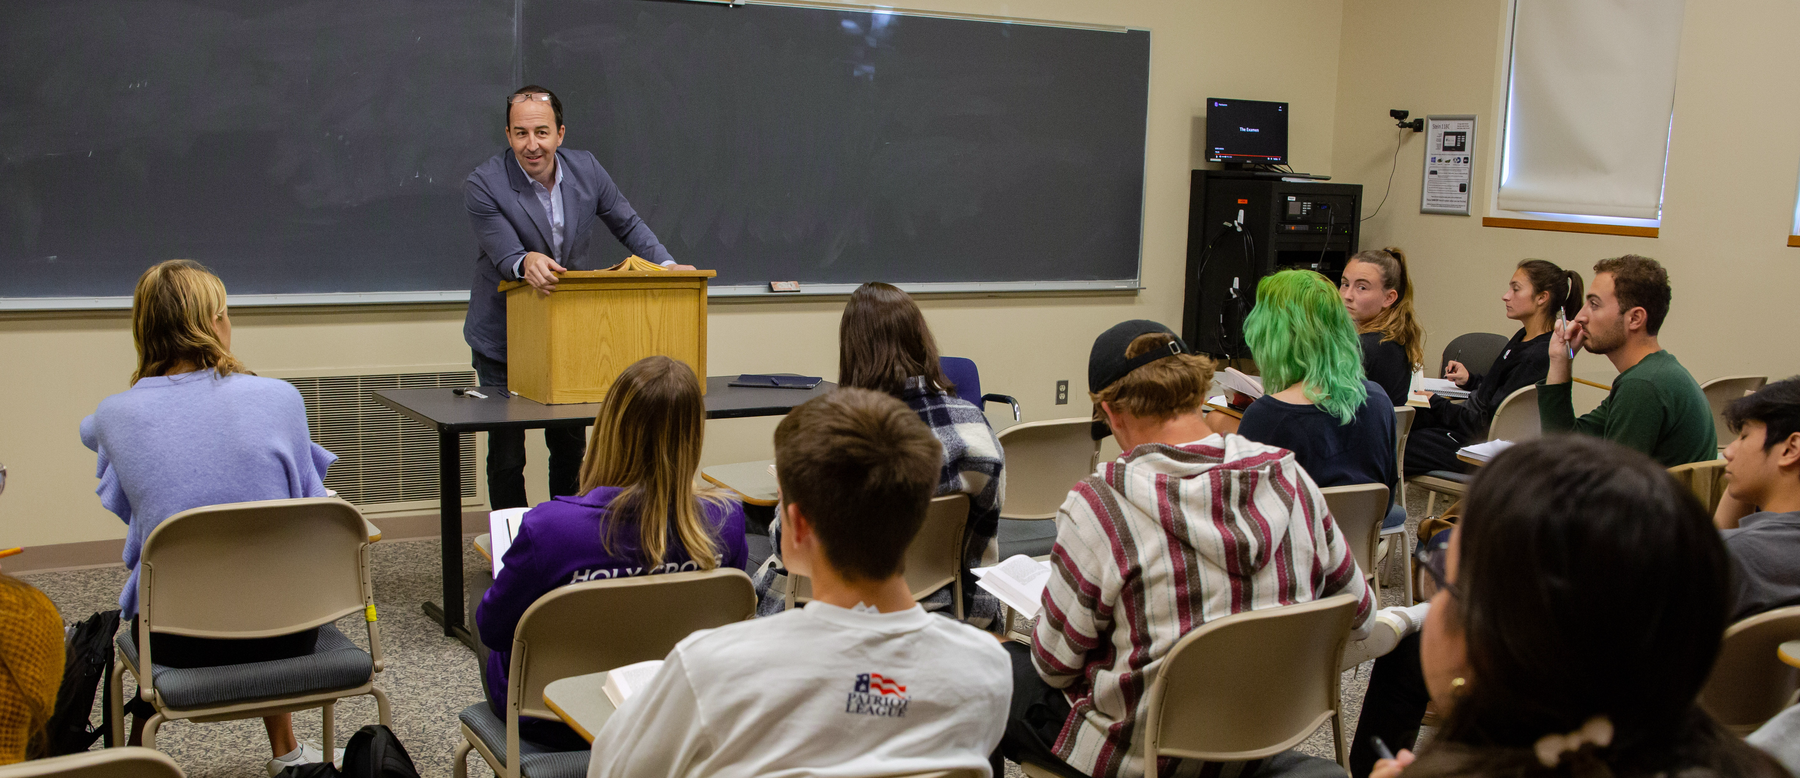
(821, 691)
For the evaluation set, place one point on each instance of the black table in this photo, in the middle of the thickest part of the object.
(451, 415)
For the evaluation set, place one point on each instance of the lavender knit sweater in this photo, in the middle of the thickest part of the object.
(176, 442)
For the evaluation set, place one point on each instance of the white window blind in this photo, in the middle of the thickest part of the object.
(1589, 105)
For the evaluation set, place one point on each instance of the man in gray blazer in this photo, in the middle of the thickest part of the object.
(533, 208)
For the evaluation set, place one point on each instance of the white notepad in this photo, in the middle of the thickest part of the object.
(1444, 387)
(1484, 451)
(1019, 582)
(624, 682)
(503, 526)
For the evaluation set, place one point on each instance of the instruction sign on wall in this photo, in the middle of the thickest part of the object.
(1449, 164)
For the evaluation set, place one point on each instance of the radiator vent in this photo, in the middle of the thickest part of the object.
(383, 457)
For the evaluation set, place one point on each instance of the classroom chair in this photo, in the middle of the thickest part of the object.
(1516, 420)
(249, 570)
(933, 559)
(1477, 351)
(1721, 392)
(122, 762)
(962, 372)
(1282, 687)
(1358, 511)
(1750, 683)
(1705, 479)
(593, 627)
(1403, 421)
(1044, 459)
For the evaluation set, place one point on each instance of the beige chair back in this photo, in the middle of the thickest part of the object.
(1282, 684)
(122, 762)
(1403, 421)
(1044, 459)
(254, 569)
(1358, 511)
(1705, 479)
(933, 558)
(1516, 419)
(595, 626)
(1721, 392)
(1750, 683)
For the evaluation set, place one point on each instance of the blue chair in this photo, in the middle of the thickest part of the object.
(962, 372)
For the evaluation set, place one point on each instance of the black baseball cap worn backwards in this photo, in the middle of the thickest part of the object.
(1107, 363)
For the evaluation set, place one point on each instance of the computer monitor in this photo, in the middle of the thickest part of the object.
(1246, 131)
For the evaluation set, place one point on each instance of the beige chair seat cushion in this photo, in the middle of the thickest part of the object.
(536, 762)
(336, 663)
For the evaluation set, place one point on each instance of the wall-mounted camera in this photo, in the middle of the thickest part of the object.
(1399, 114)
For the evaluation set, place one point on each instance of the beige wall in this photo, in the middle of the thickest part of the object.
(1728, 199)
(1024, 345)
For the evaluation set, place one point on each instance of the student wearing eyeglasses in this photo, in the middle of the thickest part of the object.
(533, 207)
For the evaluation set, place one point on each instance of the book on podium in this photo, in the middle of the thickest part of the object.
(568, 346)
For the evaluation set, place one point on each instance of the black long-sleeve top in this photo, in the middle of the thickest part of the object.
(1522, 363)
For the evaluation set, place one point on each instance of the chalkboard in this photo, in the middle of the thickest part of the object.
(311, 148)
(292, 147)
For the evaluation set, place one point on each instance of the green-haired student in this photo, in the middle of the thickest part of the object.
(1339, 425)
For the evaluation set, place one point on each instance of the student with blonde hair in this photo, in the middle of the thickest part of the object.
(637, 513)
(1377, 289)
(195, 429)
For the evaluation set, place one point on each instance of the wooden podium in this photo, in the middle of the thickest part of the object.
(568, 347)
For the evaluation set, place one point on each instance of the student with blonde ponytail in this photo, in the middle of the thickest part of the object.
(197, 429)
(1538, 291)
(637, 513)
(1377, 289)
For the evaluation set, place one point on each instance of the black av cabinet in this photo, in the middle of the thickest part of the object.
(1242, 227)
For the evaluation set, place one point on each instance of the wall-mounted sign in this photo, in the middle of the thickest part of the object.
(1449, 164)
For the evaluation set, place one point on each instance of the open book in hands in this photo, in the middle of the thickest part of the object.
(1019, 582)
(623, 682)
(1241, 388)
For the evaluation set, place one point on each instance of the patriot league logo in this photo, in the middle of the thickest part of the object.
(876, 695)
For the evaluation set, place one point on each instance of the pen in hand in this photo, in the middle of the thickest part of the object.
(1562, 331)
(1381, 749)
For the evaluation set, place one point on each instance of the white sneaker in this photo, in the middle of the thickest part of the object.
(1391, 625)
(308, 753)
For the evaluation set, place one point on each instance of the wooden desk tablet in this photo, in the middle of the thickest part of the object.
(581, 702)
(750, 480)
(450, 415)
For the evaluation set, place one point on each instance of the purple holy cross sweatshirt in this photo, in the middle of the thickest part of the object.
(559, 544)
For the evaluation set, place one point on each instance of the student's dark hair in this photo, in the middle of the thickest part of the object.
(1776, 407)
(534, 89)
(1589, 584)
(862, 467)
(1564, 286)
(883, 340)
(1639, 282)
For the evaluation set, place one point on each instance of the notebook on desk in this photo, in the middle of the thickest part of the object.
(764, 381)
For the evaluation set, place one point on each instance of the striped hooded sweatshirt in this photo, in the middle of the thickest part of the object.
(1157, 543)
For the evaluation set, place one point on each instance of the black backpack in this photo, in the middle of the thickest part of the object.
(87, 661)
(373, 752)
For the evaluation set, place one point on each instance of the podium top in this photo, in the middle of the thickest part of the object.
(586, 275)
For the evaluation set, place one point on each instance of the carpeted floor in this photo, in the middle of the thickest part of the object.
(428, 677)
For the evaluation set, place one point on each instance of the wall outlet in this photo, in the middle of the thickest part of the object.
(1062, 392)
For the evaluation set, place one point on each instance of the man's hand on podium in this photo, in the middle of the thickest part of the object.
(682, 267)
(540, 271)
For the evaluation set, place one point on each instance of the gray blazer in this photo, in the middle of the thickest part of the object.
(509, 221)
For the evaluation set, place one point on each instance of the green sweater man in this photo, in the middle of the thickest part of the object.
(1655, 406)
